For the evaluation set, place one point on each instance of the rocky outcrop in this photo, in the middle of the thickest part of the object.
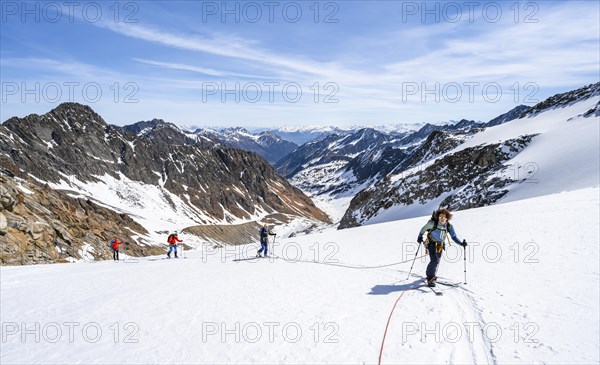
(436, 144)
(41, 225)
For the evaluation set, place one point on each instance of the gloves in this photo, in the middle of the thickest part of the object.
(420, 239)
(464, 243)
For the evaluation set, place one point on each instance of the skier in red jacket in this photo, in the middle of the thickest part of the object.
(172, 240)
(114, 244)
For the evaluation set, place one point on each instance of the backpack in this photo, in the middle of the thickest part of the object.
(171, 239)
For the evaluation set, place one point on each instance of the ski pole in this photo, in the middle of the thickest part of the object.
(465, 261)
(413, 263)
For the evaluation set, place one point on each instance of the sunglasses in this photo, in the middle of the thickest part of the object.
(442, 217)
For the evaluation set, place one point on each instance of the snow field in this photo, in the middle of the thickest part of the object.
(532, 297)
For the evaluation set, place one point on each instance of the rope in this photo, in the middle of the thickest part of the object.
(351, 266)
(389, 319)
(360, 267)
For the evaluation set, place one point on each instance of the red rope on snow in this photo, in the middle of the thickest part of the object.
(388, 322)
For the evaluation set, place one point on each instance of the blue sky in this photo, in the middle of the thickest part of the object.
(271, 63)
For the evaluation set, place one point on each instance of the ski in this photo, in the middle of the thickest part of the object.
(246, 259)
(454, 285)
(435, 291)
(448, 286)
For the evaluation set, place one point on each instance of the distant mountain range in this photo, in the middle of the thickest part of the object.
(304, 134)
(341, 162)
(267, 144)
(275, 143)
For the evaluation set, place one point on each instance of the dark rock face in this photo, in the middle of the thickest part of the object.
(216, 184)
(376, 162)
(436, 144)
(469, 172)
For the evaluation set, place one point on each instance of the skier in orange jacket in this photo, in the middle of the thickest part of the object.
(172, 240)
(114, 244)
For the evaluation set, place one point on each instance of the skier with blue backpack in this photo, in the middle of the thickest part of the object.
(114, 244)
(264, 240)
(437, 229)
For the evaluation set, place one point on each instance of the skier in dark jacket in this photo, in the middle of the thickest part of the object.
(264, 240)
(437, 229)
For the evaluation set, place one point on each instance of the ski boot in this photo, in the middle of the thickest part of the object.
(431, 281)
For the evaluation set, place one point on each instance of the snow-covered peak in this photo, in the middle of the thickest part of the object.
(545, 152)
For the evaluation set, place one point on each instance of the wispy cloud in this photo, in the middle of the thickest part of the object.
(51, 68)
(197, 69)
(220, 44)
(552, 52)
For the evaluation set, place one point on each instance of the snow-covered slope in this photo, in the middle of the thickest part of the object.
(563, 157)
(532, 297)
(553, 148)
